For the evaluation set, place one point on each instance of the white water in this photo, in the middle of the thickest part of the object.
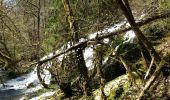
(24, 81)
(25, 84)
(128, 37)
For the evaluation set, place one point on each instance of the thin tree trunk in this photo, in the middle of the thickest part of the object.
(38, 30)
(145, 53)
(80, 44)
(124, 5)
(37, 45)
(151, 80)
(79, 53)
(128, 14)
(5, 59)
(127, 69)
(99, 61)
(39, 76)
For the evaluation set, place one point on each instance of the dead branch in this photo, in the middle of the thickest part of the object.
(151, 79)
(127, 67)
(150, 66)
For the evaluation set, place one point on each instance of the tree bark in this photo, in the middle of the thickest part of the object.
(84, 43)
(5, 59)
(151, 80)
(128, 14)
(38, 29)
(124, 5)
(127, 67)
(79, 53)
(39, 75)
(98, 63)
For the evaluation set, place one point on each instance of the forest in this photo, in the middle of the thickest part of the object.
(84, 49)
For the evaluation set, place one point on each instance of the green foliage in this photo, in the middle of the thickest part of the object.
(118, 92)
(55, 28)
(94, 15)
(49, 43)
(165, 5)
(116, 40)
(157, 30)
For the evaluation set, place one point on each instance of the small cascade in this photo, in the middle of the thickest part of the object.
(21, 82)
(29, 83)
(14, 88)
(25, 84)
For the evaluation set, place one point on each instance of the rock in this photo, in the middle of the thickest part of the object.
(24, 98)
(31, 85)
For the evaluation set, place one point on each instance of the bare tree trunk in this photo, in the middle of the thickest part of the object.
(38, 30)
(124, 5)
(2, 34)
(79, 53)
(34, 35)
(145, 53)
(131, 77)
(151, 80)
(39, 75)
(99, 61)
(37, 41)
(84, 43)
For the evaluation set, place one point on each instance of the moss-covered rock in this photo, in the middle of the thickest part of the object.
(111, 87)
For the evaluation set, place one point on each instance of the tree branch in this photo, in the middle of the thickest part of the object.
(106, 35)
(151, 80)
(149, 69)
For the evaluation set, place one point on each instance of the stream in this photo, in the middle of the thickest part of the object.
(24, 85)
(28, 84)
(14, 89)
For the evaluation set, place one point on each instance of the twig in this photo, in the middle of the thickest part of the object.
(150, 66)
(151, 80)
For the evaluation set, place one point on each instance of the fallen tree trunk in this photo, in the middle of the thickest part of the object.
(106, 35)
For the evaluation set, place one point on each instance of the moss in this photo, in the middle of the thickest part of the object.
(119, 92)
(114, 94)
(57, 96)
(52, 87)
